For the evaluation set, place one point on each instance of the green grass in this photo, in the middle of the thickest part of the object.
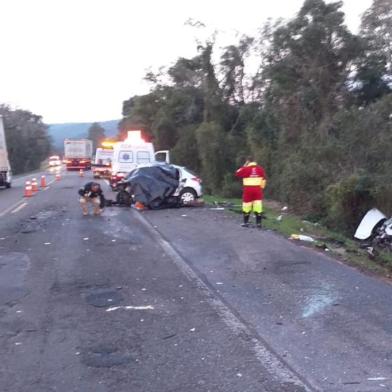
(338, 245)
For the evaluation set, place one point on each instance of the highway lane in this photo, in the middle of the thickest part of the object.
(99, 304)
(13, 199)
(331, 323)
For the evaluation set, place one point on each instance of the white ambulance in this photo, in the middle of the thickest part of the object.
(133, 151)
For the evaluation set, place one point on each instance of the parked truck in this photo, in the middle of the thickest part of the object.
(5, 167)
(78, 154)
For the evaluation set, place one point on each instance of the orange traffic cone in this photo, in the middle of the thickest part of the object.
(81, 173)
(34, 185)
(28, 192)
(139, 206)
(43, 182)
(58, 177)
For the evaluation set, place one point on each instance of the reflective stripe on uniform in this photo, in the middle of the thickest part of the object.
(252, 181)
(255, 206)
(247, 207)
(258, 206)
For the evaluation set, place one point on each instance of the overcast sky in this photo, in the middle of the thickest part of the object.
(77, 60)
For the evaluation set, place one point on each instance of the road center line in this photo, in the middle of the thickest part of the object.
(23, 205)
(276, 366)
(10, 208)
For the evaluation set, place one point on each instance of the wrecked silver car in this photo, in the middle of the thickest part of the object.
(375, 230)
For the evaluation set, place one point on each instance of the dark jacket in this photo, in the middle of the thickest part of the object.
(87, 192)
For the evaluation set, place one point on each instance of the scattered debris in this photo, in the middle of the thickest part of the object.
(285, 208)
(217, 208)
(184, 215)
(375, 230)
(322, 245)
(47, 243)
(192, 330)
(130, 307)
(301, 237)
(169, 336)
(279, 218)
(85, 239)
(224, 204)
(377, 379)
(219, 283)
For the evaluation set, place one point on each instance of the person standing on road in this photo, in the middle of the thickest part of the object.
(254, 181)
(92, 193)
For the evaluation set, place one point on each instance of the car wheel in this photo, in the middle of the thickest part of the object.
(123, 198)
(187, 196)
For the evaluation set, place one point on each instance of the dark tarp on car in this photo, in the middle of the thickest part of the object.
(153, 185)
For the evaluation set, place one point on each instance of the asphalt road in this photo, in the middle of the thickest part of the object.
(177, 300)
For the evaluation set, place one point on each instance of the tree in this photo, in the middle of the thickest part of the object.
(316, 115)
(27, 139)
(96, 133)
(373, 76)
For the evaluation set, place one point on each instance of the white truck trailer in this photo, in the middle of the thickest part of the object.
(78, 154)
(5, 167)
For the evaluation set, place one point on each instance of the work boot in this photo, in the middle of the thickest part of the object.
(258, 220)
(246, 220)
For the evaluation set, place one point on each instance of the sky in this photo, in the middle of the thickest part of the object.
(78, 60)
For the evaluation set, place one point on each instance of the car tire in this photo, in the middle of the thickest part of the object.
(123, 198)
(187, 196)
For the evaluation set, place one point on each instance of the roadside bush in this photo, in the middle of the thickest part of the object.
(348, 200)
(232, 187)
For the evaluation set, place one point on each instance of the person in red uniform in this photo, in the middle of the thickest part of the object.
(254, 181)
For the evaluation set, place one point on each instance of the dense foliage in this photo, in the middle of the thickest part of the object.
(27, 139)
(317, 113)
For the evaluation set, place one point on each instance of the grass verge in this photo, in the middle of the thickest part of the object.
(286, 223)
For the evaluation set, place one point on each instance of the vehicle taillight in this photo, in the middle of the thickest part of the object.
(197, 179)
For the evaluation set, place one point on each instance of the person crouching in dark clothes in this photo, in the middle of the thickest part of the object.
(92, 193)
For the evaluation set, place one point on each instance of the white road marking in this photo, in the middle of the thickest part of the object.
(23, 205)
(276, 367)
(10, 208)
(147, 307)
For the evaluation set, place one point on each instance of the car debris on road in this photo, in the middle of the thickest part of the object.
(375, 230)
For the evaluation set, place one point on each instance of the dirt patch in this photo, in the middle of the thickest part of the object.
(103, 297)
(105, 356)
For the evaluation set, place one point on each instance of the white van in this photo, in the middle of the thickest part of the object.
(132, 152)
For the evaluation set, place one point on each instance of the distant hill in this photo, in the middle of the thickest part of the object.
(59, 132)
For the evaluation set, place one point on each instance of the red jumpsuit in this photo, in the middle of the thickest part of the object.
(253, 177)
